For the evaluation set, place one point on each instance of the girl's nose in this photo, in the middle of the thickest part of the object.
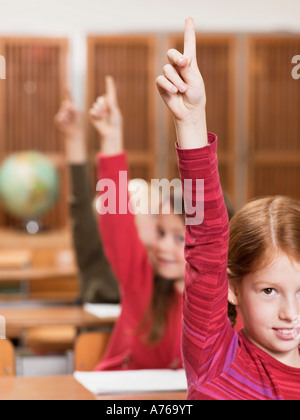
(289, 309)
(164, 243)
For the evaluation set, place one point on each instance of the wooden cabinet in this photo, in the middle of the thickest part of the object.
(36, 79)
(252, 105)
(131, 60)
(273, 118)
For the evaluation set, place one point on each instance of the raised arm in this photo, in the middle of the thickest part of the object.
(98, 283)
(182, 89)
(123, 246)
(206, 289)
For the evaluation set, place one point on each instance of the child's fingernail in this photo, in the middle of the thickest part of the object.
(182, 61)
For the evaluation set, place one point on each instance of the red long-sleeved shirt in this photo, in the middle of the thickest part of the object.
(219, 362)
(130, 262)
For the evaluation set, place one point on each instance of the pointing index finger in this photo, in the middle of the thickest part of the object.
(67, 94)
(189, 38)
(111, 90)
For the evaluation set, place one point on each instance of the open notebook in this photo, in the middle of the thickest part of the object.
(133, 381)
(103, 310)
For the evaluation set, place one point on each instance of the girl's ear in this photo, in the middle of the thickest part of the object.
(232, 292)
(232, 297)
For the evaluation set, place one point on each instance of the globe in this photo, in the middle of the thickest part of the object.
(29, 185)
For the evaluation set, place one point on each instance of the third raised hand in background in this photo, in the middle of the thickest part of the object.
(69, 122)
(182, 88)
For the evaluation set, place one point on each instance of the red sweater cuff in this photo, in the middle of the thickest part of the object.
(198, 163)
(203, 152)
(110, 166)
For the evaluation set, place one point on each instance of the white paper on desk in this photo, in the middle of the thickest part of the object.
(103, 310)
(133, 381)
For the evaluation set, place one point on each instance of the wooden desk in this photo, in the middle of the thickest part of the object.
(12, 238)
(37, 273)
(67, 388)
(43, 388)
(49, 270)
(176, 396)
(20, 319)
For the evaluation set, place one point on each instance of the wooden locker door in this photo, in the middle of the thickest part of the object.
(131, 60)
(273, 119)
(30, 96)
(216, 56)
(2, 116)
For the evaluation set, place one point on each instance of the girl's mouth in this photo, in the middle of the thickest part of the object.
(287, 333)
(165, 261)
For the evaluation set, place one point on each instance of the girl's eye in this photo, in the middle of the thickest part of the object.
(160, 233)
(269, 291)
(180, 238)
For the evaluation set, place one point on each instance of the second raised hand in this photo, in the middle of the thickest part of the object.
(106, 117)
(182, 89)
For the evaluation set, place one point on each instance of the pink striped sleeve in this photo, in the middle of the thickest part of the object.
(206, 289)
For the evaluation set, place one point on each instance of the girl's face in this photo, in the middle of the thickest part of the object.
(269, 301)
(168, 247)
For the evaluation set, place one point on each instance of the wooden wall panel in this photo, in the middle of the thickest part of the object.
(30, 97)
(273, 120)
(271, 178)
(37, 75)
(216, 56)
(2, 116)
(131, 60)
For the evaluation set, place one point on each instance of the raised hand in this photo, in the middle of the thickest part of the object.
(69, 122)
(106, 117)
(182, 88)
